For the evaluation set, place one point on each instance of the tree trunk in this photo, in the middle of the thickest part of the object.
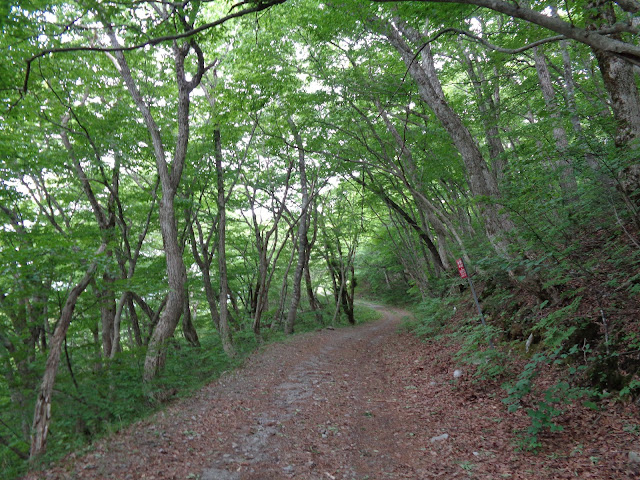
(170, 177)
(313, 301)
(261, 292)
(620, 82)
(188, 329)
(117, 318)
(203, 257)
(106, 297)
(481, 182)
(488, 112)
(349, 294)
(42, 412)
(562, 166)
(177, 276)
(341, 278)
(135, 324)
(617, 75)
(212, 299)
(225, 332)
(277, 319)
(302, 231)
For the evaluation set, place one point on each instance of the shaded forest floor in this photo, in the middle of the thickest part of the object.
(367, 402)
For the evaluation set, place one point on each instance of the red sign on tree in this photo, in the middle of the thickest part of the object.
(461, 269)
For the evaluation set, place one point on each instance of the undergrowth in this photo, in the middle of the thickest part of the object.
(563, 334)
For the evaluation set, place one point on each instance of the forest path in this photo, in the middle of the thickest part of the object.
(366, 402)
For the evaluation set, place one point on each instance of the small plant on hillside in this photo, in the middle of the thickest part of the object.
(431, 316)
(490, 363)
(556, 327)
(543, 405)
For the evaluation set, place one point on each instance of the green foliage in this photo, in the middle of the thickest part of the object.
(543, 405)
(631, 390)
(558, 326)
(489, 363)
(431, 316)
(568, 260)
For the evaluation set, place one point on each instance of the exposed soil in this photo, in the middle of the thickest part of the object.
(359, 403)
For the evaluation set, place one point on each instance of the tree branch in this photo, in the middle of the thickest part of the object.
(510, 51)
(595, 39)
(153, 41)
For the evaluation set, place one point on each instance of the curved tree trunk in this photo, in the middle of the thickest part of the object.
(481, 181)
(313, 300)
(188, 328)
(566, 176)
(170, 177)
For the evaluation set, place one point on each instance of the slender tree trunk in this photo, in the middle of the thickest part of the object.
(570, 88)
(225, 331)
(188, 329)
(302, 231)
(338, 293)
(563, 167)
(177, 276)
(135, 323)
(105, 218)
(42, 412)
(488, 112)
(203, 257)
(313, 301)
(212, 299)
(277, 319)
(481, 182)
(115, 343)
(107, 313)
(261, 292)
(409, 169)
(170, 177)
(348, 295)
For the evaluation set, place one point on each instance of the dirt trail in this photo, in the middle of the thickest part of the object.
(353, 403)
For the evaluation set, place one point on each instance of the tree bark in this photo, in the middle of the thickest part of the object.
(135, 324)
(117, 318)
(42, 412)
(620, 82)
(169, 181)
(628, 51)
(203, 257)
(302, 231)
(562, 166)
(225, 332)
(277, 319)
(481, 182)
(313, 300)
(105, 217)
(488, 112)
(424, 236)
(188, 328)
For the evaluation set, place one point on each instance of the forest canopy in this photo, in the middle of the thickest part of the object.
(183, 180)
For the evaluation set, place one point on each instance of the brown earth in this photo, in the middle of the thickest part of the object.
(367, 402)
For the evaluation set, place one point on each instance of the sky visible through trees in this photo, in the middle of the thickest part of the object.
(182, 181)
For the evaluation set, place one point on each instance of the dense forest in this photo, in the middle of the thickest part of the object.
(185, 180)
